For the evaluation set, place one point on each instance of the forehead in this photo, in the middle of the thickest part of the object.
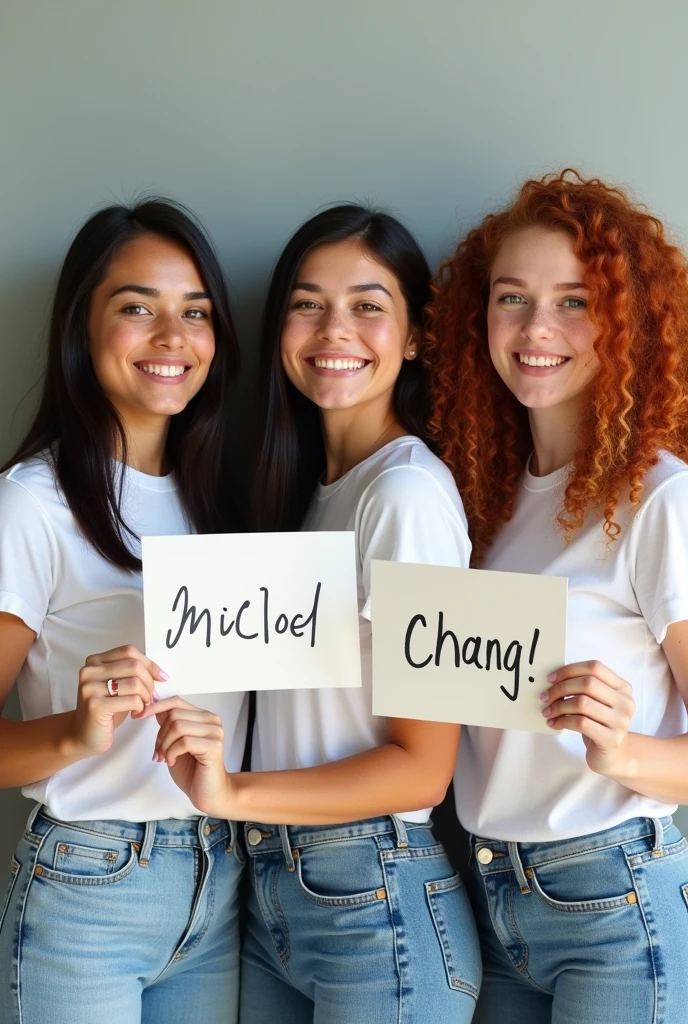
(344, 264)
(150, 257)
(538, 253)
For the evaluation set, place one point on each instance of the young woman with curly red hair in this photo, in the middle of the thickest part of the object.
(558, 351)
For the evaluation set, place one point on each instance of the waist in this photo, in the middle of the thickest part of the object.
(497, 855)
(201, 831)
(261, 838)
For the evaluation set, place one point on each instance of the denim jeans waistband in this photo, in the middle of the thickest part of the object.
(261, 838)
(518, 857)
(202, 832)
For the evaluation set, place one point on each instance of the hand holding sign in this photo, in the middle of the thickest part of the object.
(465, 645)
(268, 611)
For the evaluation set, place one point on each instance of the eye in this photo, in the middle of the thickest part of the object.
(573, 302)
(305, 304)
(135, 309)
(196, 314)
(511, 300)
(369, 307)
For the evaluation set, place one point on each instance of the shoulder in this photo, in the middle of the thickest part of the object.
(664, 484)
(29, 487)
(411, 474)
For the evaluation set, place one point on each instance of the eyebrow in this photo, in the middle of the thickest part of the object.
(371, 286)
(563, 286)
(139, 289)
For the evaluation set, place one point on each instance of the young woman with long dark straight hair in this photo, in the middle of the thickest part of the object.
(122, 902)
(558, 347)
(355, 913)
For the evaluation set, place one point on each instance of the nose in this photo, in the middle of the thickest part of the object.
(170, 333)
(539, 324)
(334, 326)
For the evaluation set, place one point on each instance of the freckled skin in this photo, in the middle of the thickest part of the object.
(537, 317)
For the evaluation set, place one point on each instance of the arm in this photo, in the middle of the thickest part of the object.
(412, 770)
(39, 748)
(591, 699)
(405, 515)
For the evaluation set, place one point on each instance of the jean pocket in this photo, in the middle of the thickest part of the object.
(456, 934)
(580, 906)
(330, 874)
(14, 875)
(102, 860)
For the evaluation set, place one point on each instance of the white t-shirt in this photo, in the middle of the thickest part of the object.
(79, 604)
(403, 504)
(521, 786)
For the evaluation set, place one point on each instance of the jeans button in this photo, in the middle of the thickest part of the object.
(254, 837)
(484, 855)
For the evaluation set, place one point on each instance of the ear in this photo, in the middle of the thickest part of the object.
(412, 347)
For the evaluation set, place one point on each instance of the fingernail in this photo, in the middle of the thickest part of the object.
(545, 695)
(156, 696)
(155, 756)
(163, 675)
(551, 677)
(551, 721)
(546, 711)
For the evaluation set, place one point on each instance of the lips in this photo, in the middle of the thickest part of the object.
(164, 373)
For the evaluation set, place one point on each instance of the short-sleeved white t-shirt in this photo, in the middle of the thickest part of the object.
(403, 505)
(78, 604)
(520, 786)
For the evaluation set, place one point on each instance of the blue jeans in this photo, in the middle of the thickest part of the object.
(591, 930)
(353, 924)
(112, 922)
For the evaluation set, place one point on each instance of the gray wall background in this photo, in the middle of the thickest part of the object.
(256, 112)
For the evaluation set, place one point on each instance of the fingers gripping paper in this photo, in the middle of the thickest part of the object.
(264, 611)
(465, 645)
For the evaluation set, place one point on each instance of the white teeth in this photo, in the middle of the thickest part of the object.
(162, 369)
(541, 360)
(339, 364)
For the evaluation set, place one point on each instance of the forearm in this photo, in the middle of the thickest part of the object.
(655, 767)
(384, 780)
(34, 750)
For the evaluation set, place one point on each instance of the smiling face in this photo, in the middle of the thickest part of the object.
(540, 335)
(346, 331)
(151, 336)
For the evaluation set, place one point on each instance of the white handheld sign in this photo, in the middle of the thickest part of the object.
(465, 645)
(263, 611)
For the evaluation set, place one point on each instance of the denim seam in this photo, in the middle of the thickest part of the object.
(17, 942)
(413, 853)
(566, 856)
(15, 868)
(176, 953)
(358, 899)
(651, 945)
(395, 943)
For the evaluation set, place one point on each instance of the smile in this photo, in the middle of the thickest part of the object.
(338, 364)
(541, 360)
(164, 371)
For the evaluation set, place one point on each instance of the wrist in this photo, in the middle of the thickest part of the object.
(624, 766)
(68, 744)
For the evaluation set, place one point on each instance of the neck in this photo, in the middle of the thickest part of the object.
(555, 435)
(146, 443)
(352, 435)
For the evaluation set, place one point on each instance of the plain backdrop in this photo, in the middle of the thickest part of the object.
(257, 112)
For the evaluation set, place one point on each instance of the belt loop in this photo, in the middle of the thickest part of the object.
(518, 867)
(233, 834)
(147, 844)
(288, 856)
(32, 817)
(401, 833)
(657, 850)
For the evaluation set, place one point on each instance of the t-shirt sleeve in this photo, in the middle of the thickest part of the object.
(661, 556)
(406, 515)
(28, 556)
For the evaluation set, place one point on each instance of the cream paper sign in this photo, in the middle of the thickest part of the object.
(465, 645)
(268, 611)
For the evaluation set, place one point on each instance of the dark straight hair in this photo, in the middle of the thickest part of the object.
(292, 453)
(78, 429)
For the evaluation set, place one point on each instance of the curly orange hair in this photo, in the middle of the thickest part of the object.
(638, 401)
